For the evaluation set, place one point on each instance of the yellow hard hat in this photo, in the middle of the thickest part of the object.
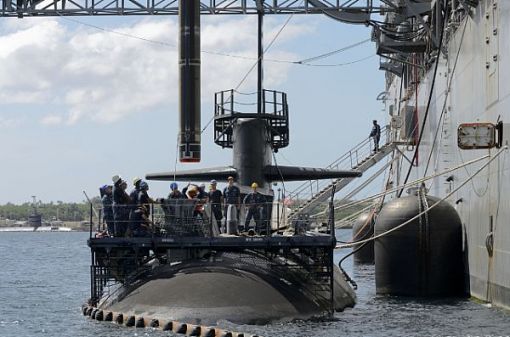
(254, 185)
(136, 180)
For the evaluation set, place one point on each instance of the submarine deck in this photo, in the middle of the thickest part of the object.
(218, 243)
(125, 260)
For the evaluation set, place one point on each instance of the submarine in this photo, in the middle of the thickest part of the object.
(189, 272)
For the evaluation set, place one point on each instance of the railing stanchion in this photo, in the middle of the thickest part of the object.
(332, 212)
(274, 103)
(231, 102)
(216, 104)
(333, 244)
(92, 277)
(100, 221)
(90, 221)
(222, 103)
(278, 216)
(152, 218)
(211, 220)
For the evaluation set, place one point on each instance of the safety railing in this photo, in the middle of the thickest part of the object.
(188, 217)
(199, 218)
(231, 104)
(352, 159)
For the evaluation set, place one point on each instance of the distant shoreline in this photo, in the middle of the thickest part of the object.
(42, 229)
(67, 226)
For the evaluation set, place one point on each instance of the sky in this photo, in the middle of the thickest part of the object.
(83, 99)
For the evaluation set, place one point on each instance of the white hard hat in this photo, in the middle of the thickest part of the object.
(116, 178)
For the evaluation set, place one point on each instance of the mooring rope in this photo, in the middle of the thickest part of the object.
(349, 245)
(409, 184)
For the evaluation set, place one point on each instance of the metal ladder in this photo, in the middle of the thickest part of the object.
(361, 158)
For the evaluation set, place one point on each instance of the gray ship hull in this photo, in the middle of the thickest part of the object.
(471, 86)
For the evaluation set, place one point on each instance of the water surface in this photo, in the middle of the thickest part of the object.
(45, 279)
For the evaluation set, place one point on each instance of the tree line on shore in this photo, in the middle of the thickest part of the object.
(71, 211)
(65, 211)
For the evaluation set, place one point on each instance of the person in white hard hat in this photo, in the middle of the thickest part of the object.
(136, 190)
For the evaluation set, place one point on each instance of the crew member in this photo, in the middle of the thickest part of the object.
(143, 196)
(253, 203)
(107, 202)
(202, 194)
(140, 224)
(192, 193)
(216, 199)
(171, 204)
(135, 192)
(133, 195)
(174, 192)
(376, 135)
(231, 196)
(121, 205)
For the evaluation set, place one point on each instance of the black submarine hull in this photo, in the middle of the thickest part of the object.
(205, 292)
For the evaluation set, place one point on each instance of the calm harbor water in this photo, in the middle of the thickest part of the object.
(44, 279)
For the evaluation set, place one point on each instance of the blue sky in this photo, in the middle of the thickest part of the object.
(78, 104)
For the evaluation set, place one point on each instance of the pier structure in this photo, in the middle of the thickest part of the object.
(357, 11)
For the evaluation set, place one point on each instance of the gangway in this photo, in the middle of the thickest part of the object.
(361, 157)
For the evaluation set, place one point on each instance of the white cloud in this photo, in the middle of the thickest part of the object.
(9, 123)
(103, 76)
(52, 119)
(47, 34)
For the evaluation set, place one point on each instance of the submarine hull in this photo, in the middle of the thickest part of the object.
(205, 292)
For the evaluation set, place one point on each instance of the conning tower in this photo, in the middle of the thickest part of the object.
(253, 137)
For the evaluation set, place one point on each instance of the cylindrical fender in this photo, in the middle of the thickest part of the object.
(130, 321)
